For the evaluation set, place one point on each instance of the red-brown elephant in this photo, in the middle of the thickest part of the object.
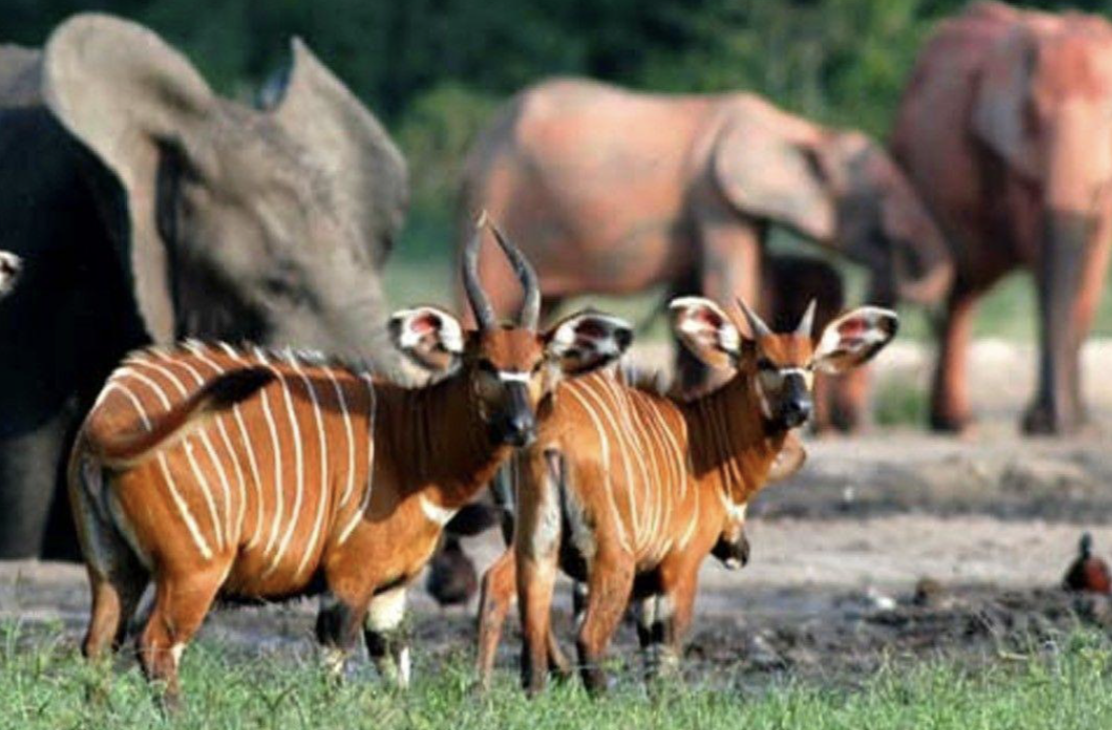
(612, 192)
(1006, 130)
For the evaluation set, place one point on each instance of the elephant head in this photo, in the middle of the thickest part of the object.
(232, 222)
(840, 189)
(1044, 106)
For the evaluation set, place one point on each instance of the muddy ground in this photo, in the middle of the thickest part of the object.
(834, 589)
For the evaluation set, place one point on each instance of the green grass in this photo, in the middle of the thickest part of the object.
(48, 686)
(420, 271)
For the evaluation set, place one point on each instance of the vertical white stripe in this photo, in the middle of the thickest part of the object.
(249, 449)
(298, 470)
(310, 547)
(349, 486)
(366, 500)
(218, 530)
(604, 444)
(198, 351)
(616, 431)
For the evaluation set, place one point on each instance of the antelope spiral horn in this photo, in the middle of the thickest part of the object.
(807, 322)
(757, 327)
(476, 297)
(529, 314)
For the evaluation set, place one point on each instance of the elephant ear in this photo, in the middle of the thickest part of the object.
(20, 76)
(1000, 115)
(348, 144)
(764, 174)
(125, 94)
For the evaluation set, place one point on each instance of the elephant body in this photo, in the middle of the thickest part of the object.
(146, 208)
(1005, 128)
(612, 192)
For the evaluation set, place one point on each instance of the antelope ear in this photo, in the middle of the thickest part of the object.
(854, 338)
(587, 341)
(705, 330)
(429, 336)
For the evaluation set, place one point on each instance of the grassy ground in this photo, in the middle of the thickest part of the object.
(420, 270)
(45, 685)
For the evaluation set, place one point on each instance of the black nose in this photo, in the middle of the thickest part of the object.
(796, 412)
(521, 430)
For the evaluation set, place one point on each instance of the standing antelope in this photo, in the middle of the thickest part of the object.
(629, 490)
(241, 473)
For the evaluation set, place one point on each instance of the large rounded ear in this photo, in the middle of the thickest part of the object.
(1000, 108)
(855, 338)
(587, 341)
(348, 144)
(20, 76)
(429, 336)
(764, 174)
(124, 93)
(705, 330)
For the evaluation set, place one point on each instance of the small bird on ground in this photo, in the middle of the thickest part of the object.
(452, 578)
(1088, 573)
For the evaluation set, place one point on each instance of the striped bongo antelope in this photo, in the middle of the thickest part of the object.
(629, 490)
(242, 473)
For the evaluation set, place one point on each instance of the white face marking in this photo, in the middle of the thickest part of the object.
(513, 376)
(436, 514)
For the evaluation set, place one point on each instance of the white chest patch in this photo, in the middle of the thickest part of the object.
(436, 514)
(736, 512)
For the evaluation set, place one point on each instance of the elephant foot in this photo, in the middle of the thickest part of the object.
(950, 422)
(1042, 419)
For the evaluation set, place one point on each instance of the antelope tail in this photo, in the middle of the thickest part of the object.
(117, 449)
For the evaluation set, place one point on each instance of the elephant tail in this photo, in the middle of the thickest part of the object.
(117, 448)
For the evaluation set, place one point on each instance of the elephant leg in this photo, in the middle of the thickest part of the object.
(29, 479)
(949, 394)
(729, 269)
(1067, 255)
(1089, 296)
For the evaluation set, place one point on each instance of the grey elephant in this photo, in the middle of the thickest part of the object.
(612, 191)
(146, 208)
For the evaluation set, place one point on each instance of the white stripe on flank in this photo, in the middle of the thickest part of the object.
(198, 352)
(276, 449)
(349, 487)
(194, 531)
(183, 507)
(214, 512)
(131, 397)
(299, 476)
(604, 444)
(617, 432)
(314, 536)
(366, 500)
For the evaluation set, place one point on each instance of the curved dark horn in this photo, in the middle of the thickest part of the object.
(476, 297)
(530, 313)
(757, 327)
(807, 322)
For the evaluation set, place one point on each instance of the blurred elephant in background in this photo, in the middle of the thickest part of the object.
(611, 192)
(146, 208)
(1006, 130)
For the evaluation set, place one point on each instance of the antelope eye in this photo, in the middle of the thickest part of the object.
(487, 367)
(765, 364)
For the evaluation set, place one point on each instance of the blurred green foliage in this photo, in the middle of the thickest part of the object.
(434, 69)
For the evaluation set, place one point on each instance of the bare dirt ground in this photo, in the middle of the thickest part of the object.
(835, 585)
